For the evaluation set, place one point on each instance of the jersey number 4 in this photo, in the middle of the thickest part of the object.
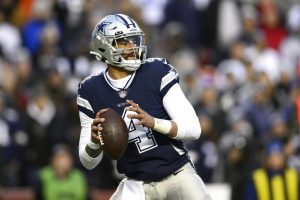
(142, 136)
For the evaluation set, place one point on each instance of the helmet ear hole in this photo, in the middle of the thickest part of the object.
(114, 43)
(101, 49)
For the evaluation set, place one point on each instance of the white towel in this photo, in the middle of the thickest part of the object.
(133, 190)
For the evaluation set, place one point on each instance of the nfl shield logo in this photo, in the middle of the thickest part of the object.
(122, 93)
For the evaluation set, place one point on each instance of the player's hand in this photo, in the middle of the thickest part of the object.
(144, 118)
(96, 126)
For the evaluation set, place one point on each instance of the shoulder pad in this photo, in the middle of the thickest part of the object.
(89, 78)
(164, 60)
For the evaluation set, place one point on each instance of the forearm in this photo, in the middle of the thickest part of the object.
(173, 130)
(90, 156)
(167, 127)
(187, 129)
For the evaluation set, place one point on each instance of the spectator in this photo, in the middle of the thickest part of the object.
(257, 109)
(33, 28)
(41, 124)
(235, 147)
(10, 38)
(271, 23)
(60, 180)
(204, 151)
(208, 104)
(250, 22)
(274, 178)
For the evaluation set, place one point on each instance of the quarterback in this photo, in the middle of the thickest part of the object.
(146, 93)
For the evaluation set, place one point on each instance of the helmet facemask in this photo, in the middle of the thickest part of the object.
(130, 58)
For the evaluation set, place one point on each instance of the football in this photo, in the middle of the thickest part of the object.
(114, 136)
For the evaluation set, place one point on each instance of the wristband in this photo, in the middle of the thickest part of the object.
(161, 125)
(94, 146)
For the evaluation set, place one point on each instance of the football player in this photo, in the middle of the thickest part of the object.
(146, 93)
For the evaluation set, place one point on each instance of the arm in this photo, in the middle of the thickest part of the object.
(90, 153)
(184, 124)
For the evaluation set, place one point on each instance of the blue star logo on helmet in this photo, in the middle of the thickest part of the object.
(101, 26)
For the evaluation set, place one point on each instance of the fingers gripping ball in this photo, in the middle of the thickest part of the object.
(114, 136)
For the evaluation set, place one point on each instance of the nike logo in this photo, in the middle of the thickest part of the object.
(175, 173)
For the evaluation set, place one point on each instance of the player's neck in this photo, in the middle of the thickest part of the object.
(117, 73)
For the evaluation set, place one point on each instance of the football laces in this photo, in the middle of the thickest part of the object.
(100, 136)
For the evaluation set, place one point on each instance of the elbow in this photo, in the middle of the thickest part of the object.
(188, 129)
(195, 131)
(193, 136)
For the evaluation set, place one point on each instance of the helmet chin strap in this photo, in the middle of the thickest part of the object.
(129, 65)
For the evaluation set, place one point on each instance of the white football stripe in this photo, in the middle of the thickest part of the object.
(84, 103)
(167, 79)
(179, 151)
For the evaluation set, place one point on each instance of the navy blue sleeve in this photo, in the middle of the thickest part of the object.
(84, 99)
(250, 191)
(166, 75)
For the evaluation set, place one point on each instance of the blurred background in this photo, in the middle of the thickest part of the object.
(239, 66)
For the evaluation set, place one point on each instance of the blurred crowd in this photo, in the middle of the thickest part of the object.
(239, 66)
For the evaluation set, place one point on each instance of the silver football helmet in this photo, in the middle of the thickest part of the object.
(109, 35)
